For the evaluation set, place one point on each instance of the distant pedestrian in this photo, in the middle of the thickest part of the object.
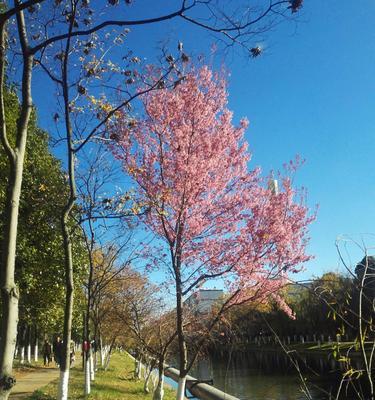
(72, 353)
(57, 350)
(47, 353)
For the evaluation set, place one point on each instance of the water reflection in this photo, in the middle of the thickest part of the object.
(266, 375)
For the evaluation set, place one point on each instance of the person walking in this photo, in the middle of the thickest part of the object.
(47, 353)
(57, 351)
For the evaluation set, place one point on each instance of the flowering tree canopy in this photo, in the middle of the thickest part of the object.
(215, 216)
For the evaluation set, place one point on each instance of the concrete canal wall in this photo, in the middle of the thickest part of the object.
(201, 390)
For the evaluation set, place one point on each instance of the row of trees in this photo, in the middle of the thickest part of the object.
(331, 304)
(213, 217)
(39, 246)
(327, 306)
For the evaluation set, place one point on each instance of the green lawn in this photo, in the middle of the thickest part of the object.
(116, 383)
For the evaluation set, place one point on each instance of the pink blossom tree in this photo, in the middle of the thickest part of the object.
(213, 216)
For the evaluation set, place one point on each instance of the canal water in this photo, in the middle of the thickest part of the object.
(266, 375)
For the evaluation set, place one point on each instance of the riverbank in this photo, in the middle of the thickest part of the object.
(117, 383)
(326, 349)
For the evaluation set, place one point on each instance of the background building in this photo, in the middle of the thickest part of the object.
(202, 300)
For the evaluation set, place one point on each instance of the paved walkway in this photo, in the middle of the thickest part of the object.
(28, 383)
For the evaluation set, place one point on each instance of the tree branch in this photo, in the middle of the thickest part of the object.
(99, 27)
(6, 15)
(3, 127)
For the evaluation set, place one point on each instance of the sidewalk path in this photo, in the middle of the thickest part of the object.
(28, 383)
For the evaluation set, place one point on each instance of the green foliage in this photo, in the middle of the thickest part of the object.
(39, 262)
(324, 306)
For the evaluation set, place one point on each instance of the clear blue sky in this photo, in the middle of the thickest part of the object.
(311, 93)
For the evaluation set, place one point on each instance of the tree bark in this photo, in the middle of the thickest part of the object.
(136, 369)
(68, 313)
(148, 372)
(101, 351)
(108, 353)
(159, 391)
(180, 335)
(107, 359)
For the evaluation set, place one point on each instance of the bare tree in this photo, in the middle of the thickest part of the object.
(101, 214)
(140, 307)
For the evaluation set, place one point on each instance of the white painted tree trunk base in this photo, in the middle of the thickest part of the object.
(92, 369)
(102, 357)
(87, 377)
(22, 354)
(140, 370)
(181, 388)
(146, 383)
(108, 359)
(63, 385)
(29, 353)
(136, 369)
(159, 391)
(36, 352)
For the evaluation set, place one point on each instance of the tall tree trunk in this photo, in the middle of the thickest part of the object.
(68, 312)
(9, 290)
(182, 350)
(68, 253)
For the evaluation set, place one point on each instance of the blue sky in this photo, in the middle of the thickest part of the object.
(314, 94)
(311, 93)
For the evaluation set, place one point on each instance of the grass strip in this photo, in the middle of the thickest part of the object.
(117, 383)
